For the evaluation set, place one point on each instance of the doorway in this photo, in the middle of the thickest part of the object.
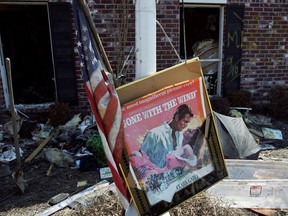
(26, 42)
(201, 35)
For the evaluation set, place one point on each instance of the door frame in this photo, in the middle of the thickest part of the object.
(220, 41)
(3, 74)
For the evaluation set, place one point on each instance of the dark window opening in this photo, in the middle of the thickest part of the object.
(201, 36)
(201, 24)
(25, 38)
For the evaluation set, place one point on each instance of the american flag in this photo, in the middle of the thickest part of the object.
(103, 99)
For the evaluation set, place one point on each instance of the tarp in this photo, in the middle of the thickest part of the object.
(236, 140)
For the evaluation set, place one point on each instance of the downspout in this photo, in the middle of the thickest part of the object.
(145, 37)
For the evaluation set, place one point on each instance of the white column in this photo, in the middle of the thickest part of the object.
(145, 37)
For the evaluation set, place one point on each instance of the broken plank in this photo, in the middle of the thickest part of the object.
(263, 211)
(40, 147)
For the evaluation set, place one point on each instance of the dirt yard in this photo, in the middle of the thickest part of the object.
(40, 187)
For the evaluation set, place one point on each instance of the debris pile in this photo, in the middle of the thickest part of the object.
(75, 145)
(267, 133)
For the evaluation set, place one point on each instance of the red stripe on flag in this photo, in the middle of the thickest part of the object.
(100, 90)
(111, 109)
(108, 123)
(119, 182)
(91, 101)
(119, 144)
(110, 114)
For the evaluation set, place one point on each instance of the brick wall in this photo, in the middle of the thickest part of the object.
(110, 21)
(115, 24)
(168, 16)
(265, 47)
(264, 55)
(114, 21)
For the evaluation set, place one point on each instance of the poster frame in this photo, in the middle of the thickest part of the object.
(130, 92)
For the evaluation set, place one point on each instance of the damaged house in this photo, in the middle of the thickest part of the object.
(241, 44)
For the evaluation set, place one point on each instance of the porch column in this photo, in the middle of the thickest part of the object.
(145, 37)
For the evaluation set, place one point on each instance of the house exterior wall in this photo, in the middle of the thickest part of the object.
(115, 23)
(265, 46)
(264, 61)
(264, 51)
(108, 16)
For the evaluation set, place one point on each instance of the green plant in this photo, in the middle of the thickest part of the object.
(95, 146)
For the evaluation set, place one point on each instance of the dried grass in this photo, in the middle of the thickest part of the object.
(201, 204)
(106, 204)
(204, 204)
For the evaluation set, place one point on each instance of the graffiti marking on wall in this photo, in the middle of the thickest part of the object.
(234, 68)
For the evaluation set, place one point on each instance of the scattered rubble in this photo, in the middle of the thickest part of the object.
(53, 157)
(75, 167)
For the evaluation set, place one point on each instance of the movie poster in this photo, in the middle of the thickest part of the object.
(166, 144)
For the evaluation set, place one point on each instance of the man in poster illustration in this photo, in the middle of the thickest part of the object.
(163, 144)
(168, 146)
(171, 145)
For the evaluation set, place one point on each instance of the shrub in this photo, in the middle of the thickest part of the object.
(278, 98)
(240, 98)
(220, 105)
(59, 114)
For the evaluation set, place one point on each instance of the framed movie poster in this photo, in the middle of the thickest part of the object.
(171, 147)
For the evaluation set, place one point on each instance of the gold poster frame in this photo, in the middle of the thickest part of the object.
(137, 89)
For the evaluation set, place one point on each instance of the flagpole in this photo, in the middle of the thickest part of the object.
(95, 35)
(102, 95)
